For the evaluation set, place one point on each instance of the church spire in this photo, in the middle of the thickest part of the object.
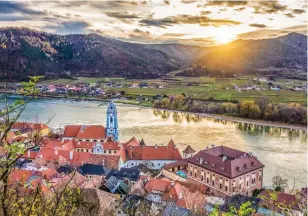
(112, 121)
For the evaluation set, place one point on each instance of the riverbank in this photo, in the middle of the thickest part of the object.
(213, 116)
(247, 121)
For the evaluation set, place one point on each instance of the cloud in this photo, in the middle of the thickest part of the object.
(266, 33)
(240, 9)
(18, 7)
(226, 3)
(257, 25)
(205, 12)
(267, 7)
(69, 27)
(186, 19)
(299, 11)
(173, 35)
(189, 1)
(167, 2)
(290, 15)
(123, 16)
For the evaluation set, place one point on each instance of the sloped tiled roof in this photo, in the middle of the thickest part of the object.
(91, 132)
(27, 125)
(189, 150)
(236, 164)
(108, 161)
(175, 164)
(132, 142)
(150, 153)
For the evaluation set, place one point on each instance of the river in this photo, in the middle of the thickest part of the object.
(282, 151)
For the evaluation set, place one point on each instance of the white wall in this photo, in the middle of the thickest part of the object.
(151, 164)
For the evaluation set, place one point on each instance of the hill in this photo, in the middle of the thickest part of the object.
(284, 56)
(27, 52)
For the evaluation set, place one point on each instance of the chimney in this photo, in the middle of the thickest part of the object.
(224, 158)
(56, 152)
(201, 160)
(172, 183)
(71, 155)
(28, 153)
(180, 195)
(213, 145)
(155, 146)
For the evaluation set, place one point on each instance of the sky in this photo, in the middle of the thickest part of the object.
(195, 22)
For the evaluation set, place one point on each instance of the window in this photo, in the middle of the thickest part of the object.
(226, 188)
(109, 151)
(207, 180)
(114, 151)
(105, 151)
(195, 175)
(240, 186)
(158, 164)
(220, 186)
(202, 178)
(111, 120)
(247, 183)
(213, 182)
(190, 173)
(87, 140)
(94, 140)
(253, 181)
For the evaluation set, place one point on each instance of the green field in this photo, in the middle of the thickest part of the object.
(201, 88)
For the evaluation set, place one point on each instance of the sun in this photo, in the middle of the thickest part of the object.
(223, 35)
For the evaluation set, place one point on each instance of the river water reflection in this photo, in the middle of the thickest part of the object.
(283, 151)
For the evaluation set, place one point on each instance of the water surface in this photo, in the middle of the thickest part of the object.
(283, 151)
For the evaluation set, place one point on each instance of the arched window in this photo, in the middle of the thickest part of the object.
(111, 119)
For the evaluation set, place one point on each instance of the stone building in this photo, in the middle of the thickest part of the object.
(226, 171)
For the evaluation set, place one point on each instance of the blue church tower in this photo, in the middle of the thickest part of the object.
(112, 121)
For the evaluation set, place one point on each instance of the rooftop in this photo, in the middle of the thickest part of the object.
(226, 161)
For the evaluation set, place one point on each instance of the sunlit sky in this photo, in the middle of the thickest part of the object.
(197, 22)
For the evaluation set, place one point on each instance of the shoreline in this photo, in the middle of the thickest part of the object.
(213, 116)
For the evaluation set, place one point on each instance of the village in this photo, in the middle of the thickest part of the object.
(172, 179)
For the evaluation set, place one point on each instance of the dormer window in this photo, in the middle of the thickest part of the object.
(245, 166)
(213, 165)
(238, 169)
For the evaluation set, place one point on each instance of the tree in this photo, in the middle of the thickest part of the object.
(279, 183)
(165, 103)
(244, 210)
(16, 198)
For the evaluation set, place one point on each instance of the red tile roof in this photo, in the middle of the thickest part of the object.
(71, 130)
(111, 145)
(27, 125)
(150, 153)
(49, 173)
(236, 163)
(132, 142)
(85, 131)
(108, 161)
(18, 175)
(161, 185)
(86, 145)
(73, 157)
(30, 154)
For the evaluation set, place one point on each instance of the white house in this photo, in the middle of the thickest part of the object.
(153, 157)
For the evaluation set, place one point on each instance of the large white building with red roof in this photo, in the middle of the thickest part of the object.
(153, 157)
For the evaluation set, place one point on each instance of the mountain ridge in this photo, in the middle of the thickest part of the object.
(30, 52)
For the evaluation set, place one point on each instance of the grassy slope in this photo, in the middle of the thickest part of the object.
(205, 88)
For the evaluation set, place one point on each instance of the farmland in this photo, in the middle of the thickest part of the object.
(202, 88)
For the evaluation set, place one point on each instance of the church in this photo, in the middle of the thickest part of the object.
(96, 139)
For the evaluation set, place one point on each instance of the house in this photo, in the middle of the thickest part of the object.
(108, 147)
(132, 174)
(226, 171)
(280, 202)
(117, 186)
(91, 170)
(188, 152)
(175, 171)
(86, 133)
(138, 189)
(153, 157)
(156, 188)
